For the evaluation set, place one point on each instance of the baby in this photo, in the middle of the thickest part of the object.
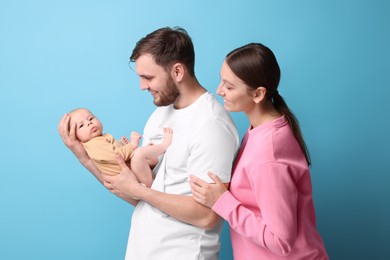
(102, 148)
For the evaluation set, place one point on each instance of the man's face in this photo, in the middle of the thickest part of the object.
(156, 80)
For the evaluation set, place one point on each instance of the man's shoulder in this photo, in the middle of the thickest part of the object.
(214, 110)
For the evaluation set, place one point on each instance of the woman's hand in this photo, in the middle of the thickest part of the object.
(67, 132)
(207, 193)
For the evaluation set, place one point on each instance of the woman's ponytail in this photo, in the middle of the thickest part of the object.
(281, 106)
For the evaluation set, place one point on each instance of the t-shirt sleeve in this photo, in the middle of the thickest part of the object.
(213, 149)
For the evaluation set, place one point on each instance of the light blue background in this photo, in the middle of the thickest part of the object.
(58, 55)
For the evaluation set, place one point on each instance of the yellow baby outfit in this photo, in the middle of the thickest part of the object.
(103, 149)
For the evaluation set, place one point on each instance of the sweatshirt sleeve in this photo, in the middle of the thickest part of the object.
(275, 228)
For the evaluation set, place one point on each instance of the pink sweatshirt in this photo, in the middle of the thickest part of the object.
(269, 206)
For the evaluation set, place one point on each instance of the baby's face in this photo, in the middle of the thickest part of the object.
(87, 125)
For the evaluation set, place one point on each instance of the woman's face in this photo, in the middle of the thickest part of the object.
(234, 92)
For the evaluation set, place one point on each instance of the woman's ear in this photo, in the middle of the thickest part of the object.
(177, 72)
(259, 94)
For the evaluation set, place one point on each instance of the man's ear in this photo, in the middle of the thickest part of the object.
(177, 72)
(259, 94)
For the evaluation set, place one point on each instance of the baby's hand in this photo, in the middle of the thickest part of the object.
(125, 140)
(135, 139)
(135, 136)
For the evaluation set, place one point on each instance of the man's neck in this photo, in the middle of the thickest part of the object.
(189, 93)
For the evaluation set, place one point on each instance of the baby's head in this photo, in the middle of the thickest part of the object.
(88, 125)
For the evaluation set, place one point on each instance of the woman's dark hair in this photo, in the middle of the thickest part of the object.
(167, 46)
(256, 65)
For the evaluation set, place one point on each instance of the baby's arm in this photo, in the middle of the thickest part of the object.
(143, 156)
(135, 138)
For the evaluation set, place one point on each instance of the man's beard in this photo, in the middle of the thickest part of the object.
(168, 95)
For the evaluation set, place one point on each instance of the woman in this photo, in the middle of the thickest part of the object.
(269, 206)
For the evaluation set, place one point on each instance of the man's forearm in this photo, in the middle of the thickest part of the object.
(183, 208)
(91, 167)
(131, 201)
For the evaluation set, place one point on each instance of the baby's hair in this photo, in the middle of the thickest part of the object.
(75, 110)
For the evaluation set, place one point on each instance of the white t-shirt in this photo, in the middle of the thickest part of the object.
(204, 139)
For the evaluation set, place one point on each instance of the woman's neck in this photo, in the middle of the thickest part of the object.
(262, 114)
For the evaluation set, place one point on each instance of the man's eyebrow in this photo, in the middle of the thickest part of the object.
(145, 76)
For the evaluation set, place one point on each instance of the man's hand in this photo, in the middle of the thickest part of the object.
(67, 132)
(207, 193)
(125, 185)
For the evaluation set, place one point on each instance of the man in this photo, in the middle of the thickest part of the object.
(167, 223)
